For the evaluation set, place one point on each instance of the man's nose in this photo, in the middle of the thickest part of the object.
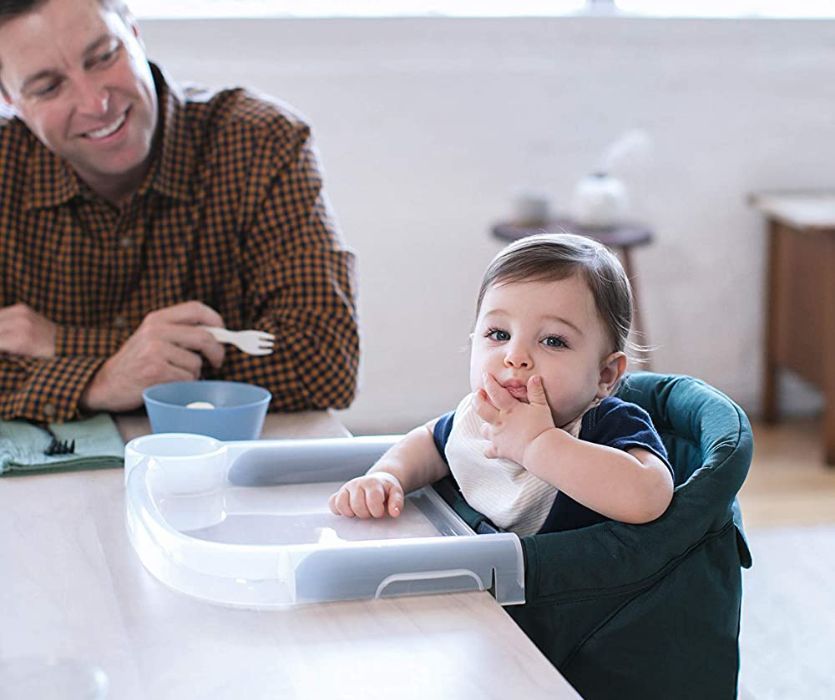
(93, 99)
(517, 357)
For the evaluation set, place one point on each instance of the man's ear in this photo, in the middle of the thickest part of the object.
(612, 368)
(7, 98)
(7, 107)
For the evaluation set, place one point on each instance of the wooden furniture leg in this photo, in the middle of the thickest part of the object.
(829, 365)
(772, 294)
(640, 332)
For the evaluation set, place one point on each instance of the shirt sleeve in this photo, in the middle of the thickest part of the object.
(50, 389)
(46, 390)
(441, 431)
(88, 342)
(622, 425)
(300, 284)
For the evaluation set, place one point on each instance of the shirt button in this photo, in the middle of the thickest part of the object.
(49, 410)
(120, 322)
(125, 242)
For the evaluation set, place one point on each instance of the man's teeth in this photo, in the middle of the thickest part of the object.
(107, 130)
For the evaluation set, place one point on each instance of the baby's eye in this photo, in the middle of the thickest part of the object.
(497, 334)
(555, 341)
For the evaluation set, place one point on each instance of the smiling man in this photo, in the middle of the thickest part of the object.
(135, 212)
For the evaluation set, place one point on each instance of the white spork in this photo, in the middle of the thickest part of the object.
(250, 342)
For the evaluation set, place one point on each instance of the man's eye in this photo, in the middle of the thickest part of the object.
(105, 57)
(497, 334)
(46, 90)
(555, 341)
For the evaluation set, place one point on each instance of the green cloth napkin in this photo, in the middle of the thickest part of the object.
(97, 445)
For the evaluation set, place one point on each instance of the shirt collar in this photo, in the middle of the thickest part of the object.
(52, 181)
(171, 172)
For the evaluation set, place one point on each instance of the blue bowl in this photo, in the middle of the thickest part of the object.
(238, 413)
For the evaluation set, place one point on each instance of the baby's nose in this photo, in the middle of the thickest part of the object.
(517, 358)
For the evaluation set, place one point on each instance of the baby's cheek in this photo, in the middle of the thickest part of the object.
(552, 396)
(476, 373)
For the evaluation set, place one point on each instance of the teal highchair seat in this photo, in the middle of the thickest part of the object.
(651, 611)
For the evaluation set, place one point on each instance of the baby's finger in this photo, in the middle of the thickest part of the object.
(483, 408)
(536, 391)
(500, 397)
(490, 451)
(341, 503)
(358, 504)
(486, 431)
(395, 501)
(375, 499)
(332, 504)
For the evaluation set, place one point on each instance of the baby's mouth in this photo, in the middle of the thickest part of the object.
(518, 392)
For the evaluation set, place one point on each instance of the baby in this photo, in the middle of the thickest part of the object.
(540, 444)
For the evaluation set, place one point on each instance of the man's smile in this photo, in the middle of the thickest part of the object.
(108, 129)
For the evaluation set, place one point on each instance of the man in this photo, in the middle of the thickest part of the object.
(132, 214)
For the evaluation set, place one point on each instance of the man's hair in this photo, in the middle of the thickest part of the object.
(556, 256)
(9, 9)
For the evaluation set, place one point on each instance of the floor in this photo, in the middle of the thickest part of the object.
(788, 483)
(788, 616)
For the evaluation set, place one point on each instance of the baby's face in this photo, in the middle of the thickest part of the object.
(551, 329)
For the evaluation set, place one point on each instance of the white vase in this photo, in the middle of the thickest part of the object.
(599, 201)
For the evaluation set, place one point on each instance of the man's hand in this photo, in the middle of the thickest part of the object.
(24, 331)
(509, 424)
(167, 347)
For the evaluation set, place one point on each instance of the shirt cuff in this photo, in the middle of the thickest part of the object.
(53, 391)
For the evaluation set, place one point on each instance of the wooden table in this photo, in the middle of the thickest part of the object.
(73, 587)
(800, 297)
(621, 238)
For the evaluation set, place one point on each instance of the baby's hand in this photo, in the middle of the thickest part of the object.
(373, 495)
(509, 424)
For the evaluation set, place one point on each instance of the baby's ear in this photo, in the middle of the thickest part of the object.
(612, 369)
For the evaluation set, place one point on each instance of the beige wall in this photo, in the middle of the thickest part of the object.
(428, 127)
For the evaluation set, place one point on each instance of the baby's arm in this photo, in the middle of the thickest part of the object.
(408, 465)
(633, 486)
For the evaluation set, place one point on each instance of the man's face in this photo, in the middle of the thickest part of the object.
(76, 74)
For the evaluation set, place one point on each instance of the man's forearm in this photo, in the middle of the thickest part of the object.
(46, 390)
(316, 358)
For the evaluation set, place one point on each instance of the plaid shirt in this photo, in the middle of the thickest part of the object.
(231, 213)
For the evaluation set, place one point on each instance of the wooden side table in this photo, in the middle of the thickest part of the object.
(621, 238)
(800, 297)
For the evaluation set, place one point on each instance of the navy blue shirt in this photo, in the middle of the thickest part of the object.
(614, 423)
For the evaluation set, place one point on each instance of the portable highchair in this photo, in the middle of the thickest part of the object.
(650, 611)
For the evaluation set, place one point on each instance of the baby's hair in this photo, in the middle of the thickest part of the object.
(550, 257)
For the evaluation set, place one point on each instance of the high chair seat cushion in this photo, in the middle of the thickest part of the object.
(651, 611)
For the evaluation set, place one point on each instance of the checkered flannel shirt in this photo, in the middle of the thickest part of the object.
(231, 213)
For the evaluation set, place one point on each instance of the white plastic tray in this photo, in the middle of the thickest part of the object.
(247, 524)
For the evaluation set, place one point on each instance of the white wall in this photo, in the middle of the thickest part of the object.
(428, 127)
